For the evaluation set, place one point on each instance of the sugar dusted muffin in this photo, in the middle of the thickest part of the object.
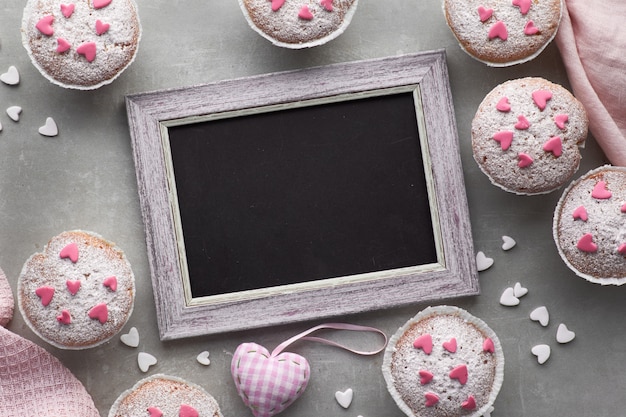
(444, 362)
(162, 395)
(298, 24)
(81, 44)
(527, 134)
(590, 226)
(500, 32)
(79, 292)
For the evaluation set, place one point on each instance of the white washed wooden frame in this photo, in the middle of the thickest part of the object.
(453, 275)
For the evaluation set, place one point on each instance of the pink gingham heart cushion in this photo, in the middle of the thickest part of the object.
(268, 383)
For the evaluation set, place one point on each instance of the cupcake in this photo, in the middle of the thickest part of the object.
(444, 362)
(298, 24)
(501, 33)
(162, 395)
(78, 293)
(590, 226)
(81, 44)
(527, 134)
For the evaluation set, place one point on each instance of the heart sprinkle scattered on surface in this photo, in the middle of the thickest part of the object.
(131, 338)
(203, 358)
(70, 252)
(519, 291)
(508, 298)
(542, 352)
(483, 262)
(14, 113)
(11, 77)
(508, 243)
(145, 361)
(541, 315)
(50, 129)
(564, 335)
(344, 398)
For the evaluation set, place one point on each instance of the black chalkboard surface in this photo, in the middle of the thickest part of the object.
(302, 194)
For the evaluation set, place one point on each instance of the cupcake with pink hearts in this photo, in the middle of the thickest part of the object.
(444, 362)
(589, 226)
(81, 44)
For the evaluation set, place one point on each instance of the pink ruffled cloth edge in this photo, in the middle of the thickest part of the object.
(592, 41)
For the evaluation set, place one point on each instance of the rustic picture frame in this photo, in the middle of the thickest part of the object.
(453, 274)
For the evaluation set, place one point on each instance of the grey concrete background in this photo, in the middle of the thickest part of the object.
(85, 178)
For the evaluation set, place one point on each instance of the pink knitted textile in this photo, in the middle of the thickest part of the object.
(592, 41)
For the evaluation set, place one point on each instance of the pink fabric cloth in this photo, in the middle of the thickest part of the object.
(592, 41)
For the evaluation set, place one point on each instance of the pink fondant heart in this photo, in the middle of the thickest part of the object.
(586, 244)
(431, 399)
(155, 412)
(522, 123)
(99, 4)
(88, 50)
(72, 286)
(498, 30)
(70, 252)
(277, 4)
(524, 160)
(46, 294)
(530, 28)
(554, 145)
(560, 120)
(424, 342)
(469, 404)
(111, 283)
(459, 373)
(600, 191)
(488, 345)
(484, 14)
(62, 45)
(64, 317)
(505, 138)
(623, 208)
(99, 312)
(45, 25)
(101, 27)
(305, 13)
(425, 377)
(187, 411)
(504, 105)
(580, 214)
(524, 5)
(450, 345)
(622, 249)
(541, 97)
(327, 4)
(67, 10)
(268, 384)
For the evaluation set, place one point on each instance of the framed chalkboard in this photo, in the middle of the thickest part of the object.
(301, 195)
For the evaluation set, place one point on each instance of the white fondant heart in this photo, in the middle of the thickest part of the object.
(541, 315)
(50, 128)
(131, 338)
(14, 113)
(203, 358)
(508, 243)
(483, 262)
(11, 77)
(564, 335)
(508, 298)
(542, 352)
(519, 291)
(266, 383)
(0, 127)
(145, 361)
(344, 398)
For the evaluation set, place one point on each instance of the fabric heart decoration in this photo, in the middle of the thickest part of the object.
(268, 383)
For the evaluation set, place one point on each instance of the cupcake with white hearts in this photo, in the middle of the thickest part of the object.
(298, 24)
(163, 396)
(81, 44)
(444, 362)
(78, 292)
(590, 226)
